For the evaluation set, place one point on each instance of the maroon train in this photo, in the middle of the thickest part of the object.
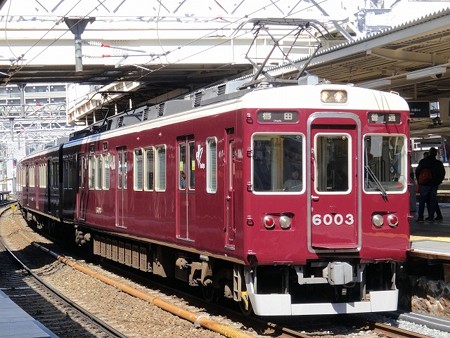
(291, 200)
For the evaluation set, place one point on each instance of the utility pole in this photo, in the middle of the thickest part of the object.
(77, 27)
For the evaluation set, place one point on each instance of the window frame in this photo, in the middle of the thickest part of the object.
(160, 163)
(106, 176)
(138, 169)
(149, 170)
(264, 137)
(211, 165)
(349, 154)
(91, 172)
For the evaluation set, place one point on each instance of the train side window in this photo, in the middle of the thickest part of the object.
(39, 183)
(31, 175)
(41, 176)
(45, 176)
(99, 172)
(69, 173)
(38, 175)
(160, 168)
(211, 165)
(92, 172)
(67, 180)
(138, 170)
(122, 168)
(106, 182)
(191, 165)
(182, 166)
(149, 168)
(82, 171)
(54, 176)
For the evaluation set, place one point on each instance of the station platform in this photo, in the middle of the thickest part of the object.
(437, 231)
(15, 322)
(431, 240)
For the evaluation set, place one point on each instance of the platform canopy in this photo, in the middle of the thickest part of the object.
(133, 52)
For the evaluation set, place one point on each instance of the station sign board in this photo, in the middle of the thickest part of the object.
(419, 108)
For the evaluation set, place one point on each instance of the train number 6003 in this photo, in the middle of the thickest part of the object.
(329, 219)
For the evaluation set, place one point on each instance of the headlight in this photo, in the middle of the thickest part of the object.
(377, 220)
(333, 96)
(285, 222)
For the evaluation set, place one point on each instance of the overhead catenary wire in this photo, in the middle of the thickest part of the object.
(152, 56)
(45, 34)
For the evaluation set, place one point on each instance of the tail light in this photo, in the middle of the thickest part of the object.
(392, 220)
(269, 222)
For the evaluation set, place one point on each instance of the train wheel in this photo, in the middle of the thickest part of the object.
(209, 292)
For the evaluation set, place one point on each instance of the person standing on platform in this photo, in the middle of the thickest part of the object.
(429, 174)
(437, 209)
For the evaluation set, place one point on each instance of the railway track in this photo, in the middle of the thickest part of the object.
(384, 330)
(58, 313)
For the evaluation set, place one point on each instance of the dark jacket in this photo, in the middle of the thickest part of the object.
(436, 167)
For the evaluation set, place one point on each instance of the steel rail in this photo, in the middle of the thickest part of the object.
(107, 328)
(394, 332)
(200, 320)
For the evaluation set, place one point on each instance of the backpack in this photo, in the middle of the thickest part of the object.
(425, 176)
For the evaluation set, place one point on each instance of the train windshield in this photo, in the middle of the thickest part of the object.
(385, 163)
(277, 163)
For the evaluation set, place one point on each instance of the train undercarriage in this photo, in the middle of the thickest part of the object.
(319, 287)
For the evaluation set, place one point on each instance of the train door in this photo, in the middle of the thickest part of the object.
(230, 165)
(121, 191)
(185, 185)
(334, 191)
(82, 196)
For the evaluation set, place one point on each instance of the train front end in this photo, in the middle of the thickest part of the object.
(327, 203)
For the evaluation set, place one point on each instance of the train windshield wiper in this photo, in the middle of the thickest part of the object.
(377, 181)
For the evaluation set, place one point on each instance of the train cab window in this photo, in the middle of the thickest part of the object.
(332, 153)
(160, 168)
(385, 163)
(278, 163)
(211, 165)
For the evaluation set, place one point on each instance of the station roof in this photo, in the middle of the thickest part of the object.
(411, 59)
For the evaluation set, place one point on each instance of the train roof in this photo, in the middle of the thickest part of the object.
(223, 98)
(231, 96)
